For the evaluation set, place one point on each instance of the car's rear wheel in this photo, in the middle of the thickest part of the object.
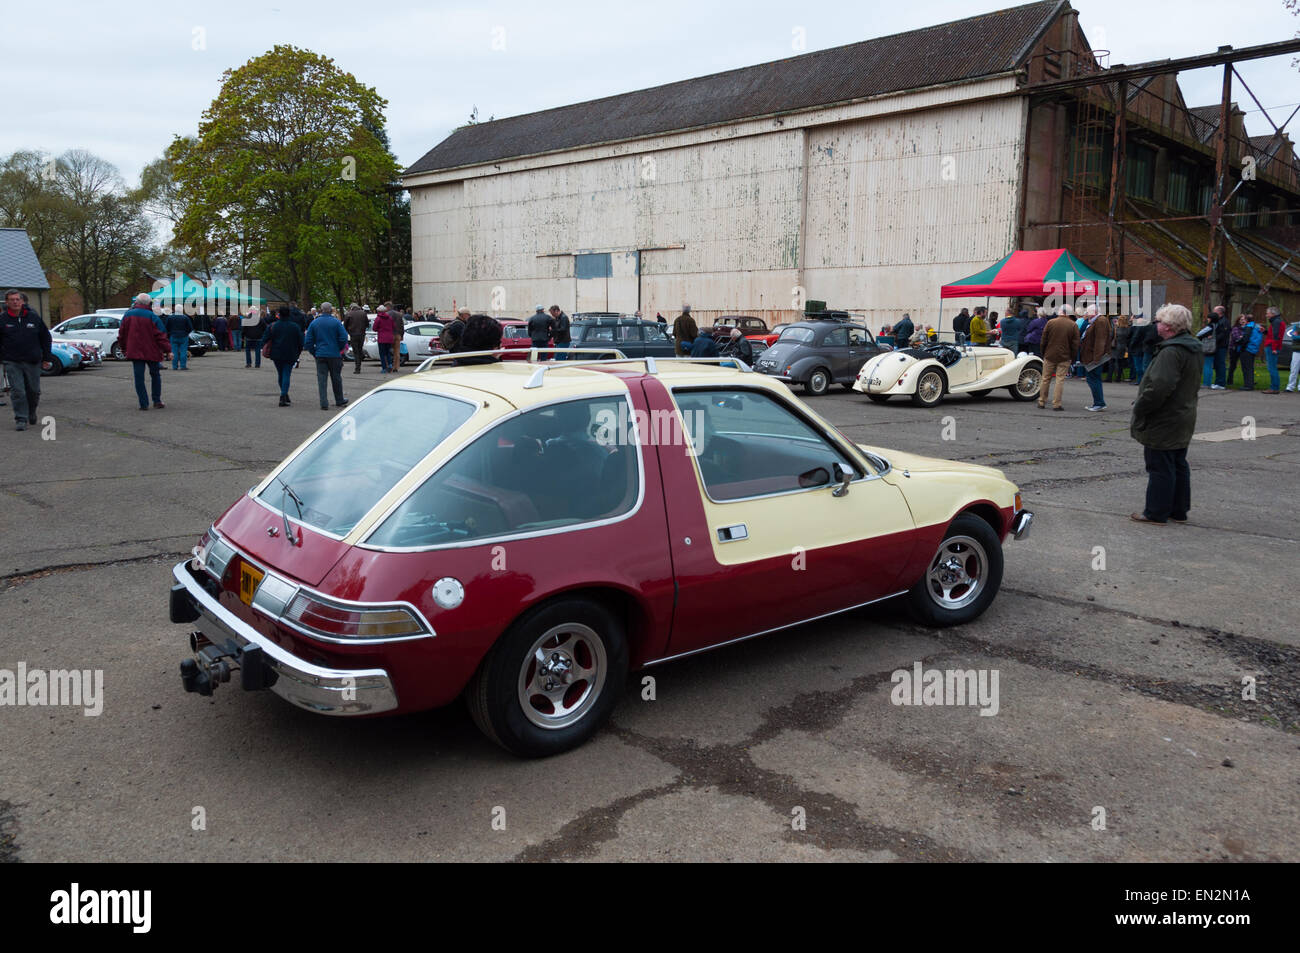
(929, 388)
(819, 382)
(1026, 387)
(963, 575)
(879, 398)
(56, 366)
(552, 680)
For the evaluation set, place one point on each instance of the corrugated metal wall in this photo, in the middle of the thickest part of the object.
(896, 206)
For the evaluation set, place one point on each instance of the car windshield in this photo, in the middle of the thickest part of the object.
(796, 336)
(345, 471)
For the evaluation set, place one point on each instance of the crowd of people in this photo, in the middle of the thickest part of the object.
(1104, 350)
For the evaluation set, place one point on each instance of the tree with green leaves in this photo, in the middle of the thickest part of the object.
(287, 174)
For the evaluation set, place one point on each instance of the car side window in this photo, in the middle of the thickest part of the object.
(838, 338)
(751, 443)
(107, 324)
(78, 324)
(629, 332)
(656, 333)
(553, 466)
(599, 334)
(858, 337)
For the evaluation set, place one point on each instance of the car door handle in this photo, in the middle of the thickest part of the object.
(732, 533)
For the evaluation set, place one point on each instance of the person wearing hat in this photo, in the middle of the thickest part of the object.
(540, 327)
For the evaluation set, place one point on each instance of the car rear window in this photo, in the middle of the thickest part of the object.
(554, 466)
(796, 336)
(349, 467)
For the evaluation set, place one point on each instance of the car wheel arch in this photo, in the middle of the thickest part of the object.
(623, 603)
(986, 511)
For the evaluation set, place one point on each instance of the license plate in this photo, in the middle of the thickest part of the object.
(250, 578)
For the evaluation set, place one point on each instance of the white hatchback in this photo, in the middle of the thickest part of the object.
(102, 328)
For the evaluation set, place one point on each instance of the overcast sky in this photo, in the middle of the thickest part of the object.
(122, 79)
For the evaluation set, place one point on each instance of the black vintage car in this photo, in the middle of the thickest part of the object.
(633, 336)
(819, 353)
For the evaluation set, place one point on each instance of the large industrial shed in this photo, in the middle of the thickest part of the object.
(867, 176)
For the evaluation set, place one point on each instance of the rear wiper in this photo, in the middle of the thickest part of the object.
(288, 532)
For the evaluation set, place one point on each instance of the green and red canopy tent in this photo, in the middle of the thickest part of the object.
(1021, 274)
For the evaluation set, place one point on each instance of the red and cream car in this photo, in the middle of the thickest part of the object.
(525, 534)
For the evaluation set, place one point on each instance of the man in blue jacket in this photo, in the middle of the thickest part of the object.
(326, 340)
(178, 327)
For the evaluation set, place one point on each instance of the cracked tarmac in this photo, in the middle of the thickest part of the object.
(1121, 650)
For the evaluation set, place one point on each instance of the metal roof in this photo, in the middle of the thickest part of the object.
(18, 265)
(979, 46)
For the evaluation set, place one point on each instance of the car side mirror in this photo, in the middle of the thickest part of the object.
(818, 476)
(843, 477)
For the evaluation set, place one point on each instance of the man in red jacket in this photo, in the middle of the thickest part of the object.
(145, 345)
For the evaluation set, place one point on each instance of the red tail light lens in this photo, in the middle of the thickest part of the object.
(339, 621)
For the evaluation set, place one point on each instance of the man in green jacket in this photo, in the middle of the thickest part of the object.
(1164, 416)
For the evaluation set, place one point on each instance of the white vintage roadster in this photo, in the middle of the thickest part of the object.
(928, 372)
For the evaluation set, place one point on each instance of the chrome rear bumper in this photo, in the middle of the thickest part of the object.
(323, 690)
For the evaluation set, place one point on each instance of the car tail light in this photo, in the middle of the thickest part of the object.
(332, 620)
(212, 554)
(1018, 506)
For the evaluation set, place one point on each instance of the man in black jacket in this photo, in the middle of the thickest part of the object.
(903, 332)
(24, 349)
(540, 328)
(560, 327)
(1222, 331)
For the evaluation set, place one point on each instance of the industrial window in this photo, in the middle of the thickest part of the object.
(1180, 187)
(1141, 169)
(592, 266)
(1088, 156)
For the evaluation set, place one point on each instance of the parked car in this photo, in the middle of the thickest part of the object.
(90, 353)
(514, 335)
(365, 575)
(748, 325)
(63, 358)
(201, 342)
(634, 337)
(819, 353)
(99, 327)
(928, 372)
(421, 339)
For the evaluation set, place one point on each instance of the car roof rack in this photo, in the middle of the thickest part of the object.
(538, 377)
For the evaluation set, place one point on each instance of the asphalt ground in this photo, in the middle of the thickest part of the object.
(1120, 681)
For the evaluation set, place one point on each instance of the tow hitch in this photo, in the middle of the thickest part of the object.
(213, 665)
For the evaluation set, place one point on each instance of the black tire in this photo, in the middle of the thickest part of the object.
(981, 394)
(56, 367)
(925, 395)
(494, 694)
(198, 352)
(879, 398)
(818, 383)
(972, 545)
(1026, 388)
(118, 352)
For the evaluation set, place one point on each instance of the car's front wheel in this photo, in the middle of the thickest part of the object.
(819, 382)
(552, 680)
(1026, 387)
(963, 576)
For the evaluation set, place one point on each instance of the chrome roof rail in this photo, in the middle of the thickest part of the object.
(607, 355)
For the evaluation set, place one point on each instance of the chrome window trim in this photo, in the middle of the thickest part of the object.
(341, 603)
(855, 457)
(779, 628)
(623, 395)
(256, 491)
